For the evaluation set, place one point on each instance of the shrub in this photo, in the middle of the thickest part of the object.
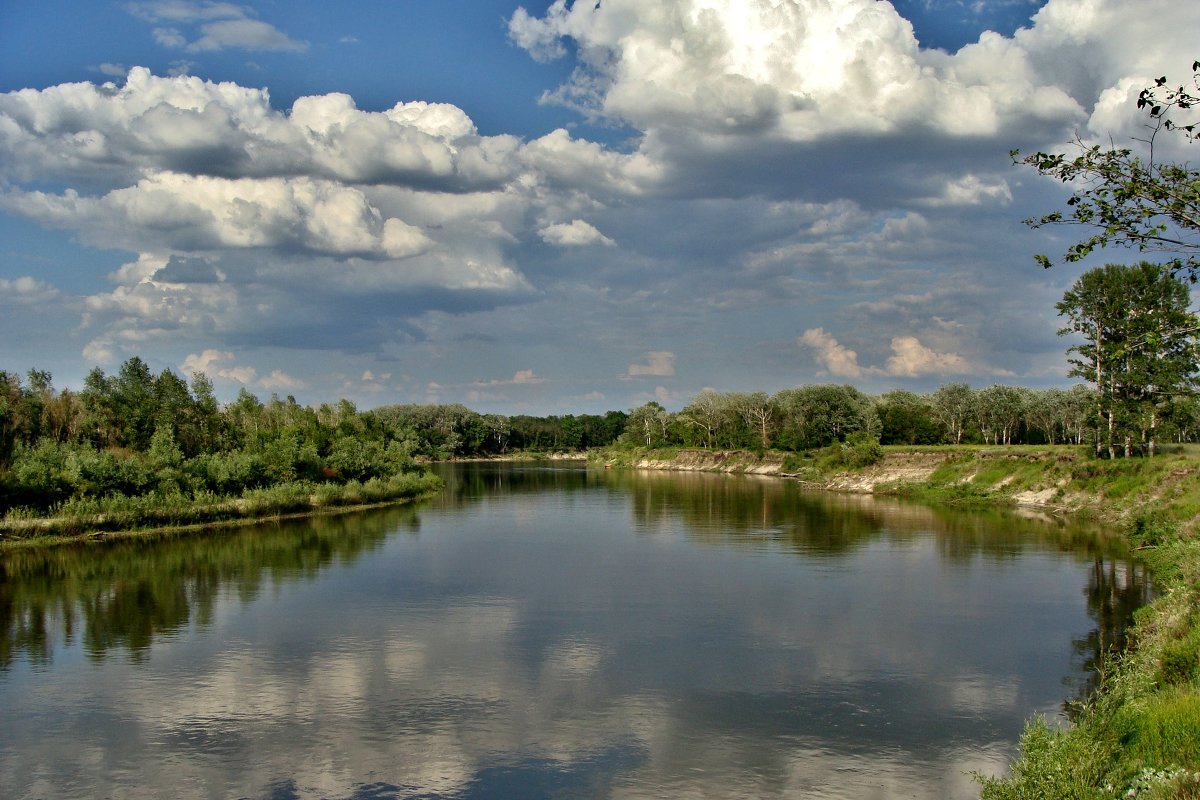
(1152, 529)
(99, 473)
(42, 473)
(355, 459)
(861, 449)
(228, 473)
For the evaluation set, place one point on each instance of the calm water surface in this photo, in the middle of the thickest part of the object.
(554, 633)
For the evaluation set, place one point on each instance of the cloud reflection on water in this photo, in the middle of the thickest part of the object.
(759, 643)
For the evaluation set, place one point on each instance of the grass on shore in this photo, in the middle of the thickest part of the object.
(83, 516)
(1139, 736)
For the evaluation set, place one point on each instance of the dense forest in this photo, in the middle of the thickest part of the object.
(135, 433)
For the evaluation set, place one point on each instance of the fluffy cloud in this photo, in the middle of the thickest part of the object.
(835, 358)
(217, 26)
(971, 190)
(657, 363)
(823, 99)
(26, 290)
(197, 213)
(728, 67)
(909, 359)
(82, 131)
(576, 233)
(221, 365)
(306, 211)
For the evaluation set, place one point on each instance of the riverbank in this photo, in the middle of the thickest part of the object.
(517, 456)
(120, 516)
(1139, 735)
(155, 515)
(1056, 478)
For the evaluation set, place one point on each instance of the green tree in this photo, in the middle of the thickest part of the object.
(907, 418)
(1078, 419)
(208, 428)
(1139, 348)
(135, 404)
(246, 416)
(647, 425)
(816, 416)
(758, 414)
(356, 459)
(498, 432)
(1046, 411)
(707, 417)
(1127, 198)
(165, 459)
(999, 411)
(10, 398)
(953, 404)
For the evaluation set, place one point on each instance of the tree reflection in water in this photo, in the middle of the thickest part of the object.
(1116, 588)
(127, 593)
(556, 630)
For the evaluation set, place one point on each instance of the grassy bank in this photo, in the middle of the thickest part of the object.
(119, 514)
(1139, 735)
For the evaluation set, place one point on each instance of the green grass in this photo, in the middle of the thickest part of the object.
(1140, 735)
(1162, 729)
(1054, 765)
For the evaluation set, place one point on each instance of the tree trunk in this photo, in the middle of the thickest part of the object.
(1153, 431)
(1112, 443)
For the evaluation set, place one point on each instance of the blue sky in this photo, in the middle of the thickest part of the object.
(551, 207)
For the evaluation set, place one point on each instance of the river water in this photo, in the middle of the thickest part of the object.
(555, 632)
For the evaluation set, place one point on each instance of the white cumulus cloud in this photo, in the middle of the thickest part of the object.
(26, 290)
(912, 359)
(576, 233)
(222, 365)
(656, 363)
(835, 358)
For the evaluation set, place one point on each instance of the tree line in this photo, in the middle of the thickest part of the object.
(134, 433)
(1139, 354)
(816, 416)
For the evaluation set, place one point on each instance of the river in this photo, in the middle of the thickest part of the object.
(549, 631)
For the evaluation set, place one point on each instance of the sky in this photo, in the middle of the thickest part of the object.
(553, 207)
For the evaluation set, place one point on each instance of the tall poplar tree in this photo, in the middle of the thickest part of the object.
(1139, 350)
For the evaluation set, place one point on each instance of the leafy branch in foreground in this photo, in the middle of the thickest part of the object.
(1130, 200)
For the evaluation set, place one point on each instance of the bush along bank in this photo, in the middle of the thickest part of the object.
(121, 514)
(1138, 734)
